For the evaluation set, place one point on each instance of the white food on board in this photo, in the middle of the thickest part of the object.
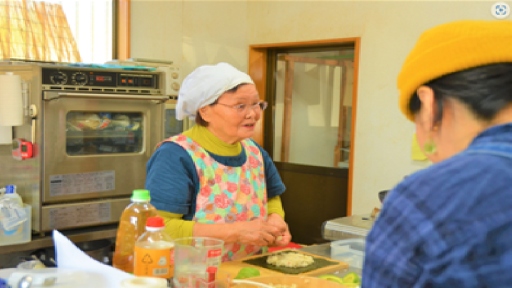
(291, 260)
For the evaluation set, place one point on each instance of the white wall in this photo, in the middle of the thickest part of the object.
(190, 33)
(156, 30)
(207, 32)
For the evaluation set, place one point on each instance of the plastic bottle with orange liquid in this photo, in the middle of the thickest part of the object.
(131, 226)
(154, 251)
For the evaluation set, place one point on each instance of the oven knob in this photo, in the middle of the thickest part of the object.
(175, 86)
(175, 75)
(59, 78)
(79, 78)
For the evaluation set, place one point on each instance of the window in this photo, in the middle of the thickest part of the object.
(57, 30)
(91, 24)
(313, 107)
(100, 132)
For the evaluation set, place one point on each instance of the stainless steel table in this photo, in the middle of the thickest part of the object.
(356, 226)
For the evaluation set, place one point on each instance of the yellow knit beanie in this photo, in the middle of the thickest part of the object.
(453, 47)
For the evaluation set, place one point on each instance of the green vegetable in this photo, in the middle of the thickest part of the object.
(352, 278)
(247, 272)
(332, 278)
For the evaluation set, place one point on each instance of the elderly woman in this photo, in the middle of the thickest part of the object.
(213, 180)
(450, 225)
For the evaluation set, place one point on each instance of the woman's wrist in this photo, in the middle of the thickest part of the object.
(227, 232)
(232, 232)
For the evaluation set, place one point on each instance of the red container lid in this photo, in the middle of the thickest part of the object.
(155, 222)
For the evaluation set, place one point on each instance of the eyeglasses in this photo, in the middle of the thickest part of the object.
(244, 108)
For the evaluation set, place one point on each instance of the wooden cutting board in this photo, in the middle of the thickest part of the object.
(232, 267)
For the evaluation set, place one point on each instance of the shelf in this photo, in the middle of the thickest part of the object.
(76, 236)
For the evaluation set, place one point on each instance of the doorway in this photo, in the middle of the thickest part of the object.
(309, 130)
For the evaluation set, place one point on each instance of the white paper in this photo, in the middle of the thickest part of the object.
(5, 135)
(70, 257)
(11, 103)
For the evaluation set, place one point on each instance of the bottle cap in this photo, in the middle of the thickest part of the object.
(140, 195)
(10, 189)
(155, 222)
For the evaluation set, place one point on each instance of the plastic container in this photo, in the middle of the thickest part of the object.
(193, 256)
(10, 192)
(216, 279)
(131, 226)
(14, 198)
(24, 232)
(350, 251)
(153, 251)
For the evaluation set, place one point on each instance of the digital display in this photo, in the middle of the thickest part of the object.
(103, 78)
(146, 82)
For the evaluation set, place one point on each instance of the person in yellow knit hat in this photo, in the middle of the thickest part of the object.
(450, 225)
(213, 180)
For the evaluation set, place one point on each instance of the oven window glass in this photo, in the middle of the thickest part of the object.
(91, 133)
(172, 125)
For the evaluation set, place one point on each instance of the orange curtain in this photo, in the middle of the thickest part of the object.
(35, 31)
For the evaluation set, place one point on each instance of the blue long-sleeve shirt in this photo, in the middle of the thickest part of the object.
(449, 225)
(173, 182)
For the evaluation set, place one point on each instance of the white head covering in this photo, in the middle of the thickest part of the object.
(204, 85)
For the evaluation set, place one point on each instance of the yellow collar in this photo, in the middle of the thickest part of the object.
(211, 143)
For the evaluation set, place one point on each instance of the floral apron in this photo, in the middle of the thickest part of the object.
(228, 194)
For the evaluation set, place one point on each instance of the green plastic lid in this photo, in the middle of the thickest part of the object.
(140, 195)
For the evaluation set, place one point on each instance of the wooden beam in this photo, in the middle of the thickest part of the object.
(123, 29)
(314, 43)
(287, 113)
(357, 51)
(258, 73)
(312, 60)
(341, 116)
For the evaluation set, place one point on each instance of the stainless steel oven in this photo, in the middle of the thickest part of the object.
(93, 131)
(173, 126)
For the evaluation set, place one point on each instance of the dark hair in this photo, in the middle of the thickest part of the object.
(484, 89)
(200, 121)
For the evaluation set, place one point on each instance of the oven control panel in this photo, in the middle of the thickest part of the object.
(88, 78)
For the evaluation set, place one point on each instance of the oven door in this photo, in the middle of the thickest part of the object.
(97, 145)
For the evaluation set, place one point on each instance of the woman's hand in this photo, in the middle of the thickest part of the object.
(284, 237)
(257, 232)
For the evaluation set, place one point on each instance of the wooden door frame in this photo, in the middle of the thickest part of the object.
(122, 29)
(258, 55)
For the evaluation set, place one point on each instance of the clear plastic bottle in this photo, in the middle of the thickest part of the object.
(153, 251)
(131, 226)
(10, 192)
(15, 202)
